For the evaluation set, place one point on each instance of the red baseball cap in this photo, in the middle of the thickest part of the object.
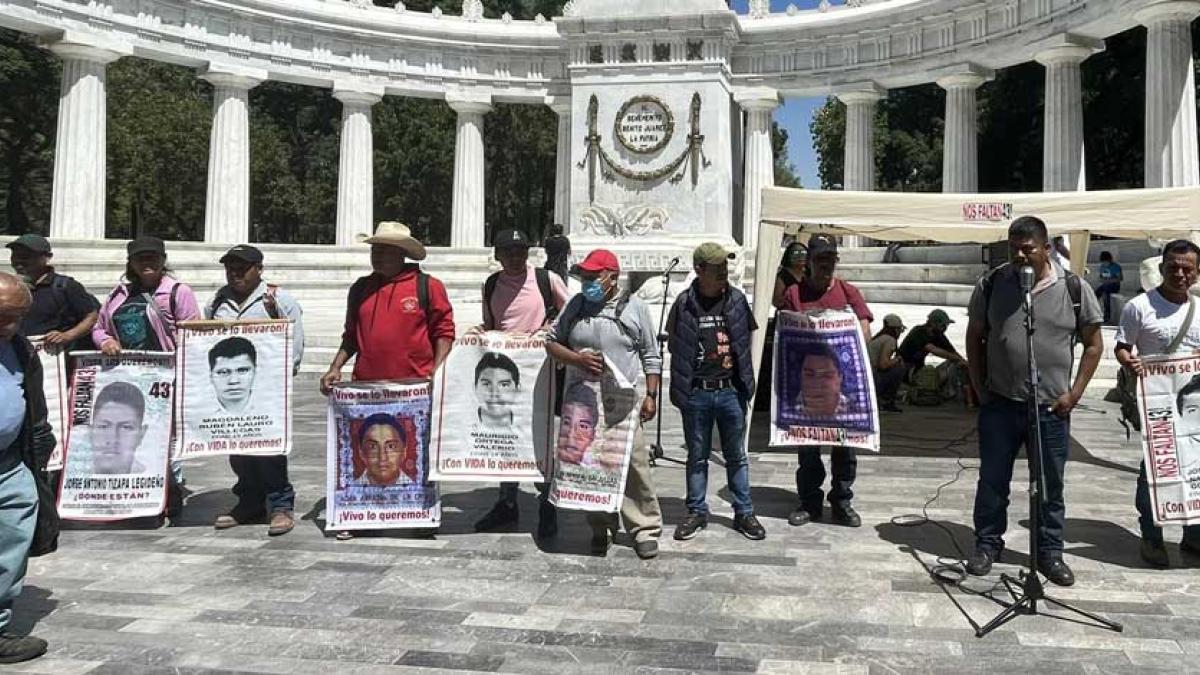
(600, 260)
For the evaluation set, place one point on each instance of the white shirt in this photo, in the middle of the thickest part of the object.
(1150, 322)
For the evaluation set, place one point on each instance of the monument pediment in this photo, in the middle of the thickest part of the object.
(641, 8)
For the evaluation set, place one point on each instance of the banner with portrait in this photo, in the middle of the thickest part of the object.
(54, 384)
(378, 471)
(1169, 402)
(502, 428)
(119, 441)
(234, 388)
(595, 439)
(824, 392)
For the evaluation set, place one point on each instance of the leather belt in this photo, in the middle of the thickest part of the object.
(712, 385)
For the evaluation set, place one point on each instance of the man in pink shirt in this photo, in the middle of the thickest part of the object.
(519, 299)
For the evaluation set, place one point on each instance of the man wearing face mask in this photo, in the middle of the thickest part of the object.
(822, 290)
(997, 359)
(602, 322)
(260, 479)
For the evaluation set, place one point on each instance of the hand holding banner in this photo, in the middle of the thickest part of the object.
(1169, 402)
(54, 384)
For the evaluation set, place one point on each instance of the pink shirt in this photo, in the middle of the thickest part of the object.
(517, 305)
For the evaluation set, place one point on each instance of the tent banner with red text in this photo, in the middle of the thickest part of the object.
(378, 464)
(234, 392)
(492, 409)
(595, 438)
(54, 384)
(119, 443)
(1169, 401)
(824, 392)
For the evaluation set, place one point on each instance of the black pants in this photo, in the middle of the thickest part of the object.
(810, 476)
(262, 480)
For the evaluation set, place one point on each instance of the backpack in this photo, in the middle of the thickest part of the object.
(565, 329)
(58, 290)
(925, 388)
(356, 296)
(543, 284)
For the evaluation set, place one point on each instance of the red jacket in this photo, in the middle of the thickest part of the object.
(389, 331)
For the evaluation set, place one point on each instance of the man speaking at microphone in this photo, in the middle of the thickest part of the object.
(997, 359)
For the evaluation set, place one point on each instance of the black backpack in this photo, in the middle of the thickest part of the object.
(543, 284)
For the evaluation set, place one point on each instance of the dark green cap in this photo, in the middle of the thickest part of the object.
(34, 242)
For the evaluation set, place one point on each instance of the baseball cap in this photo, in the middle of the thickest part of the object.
(243, 252)
(600, 260)
(893, 321)
(940, 318)
(34, 242)
(821, 243)
(711, 253)
(510, 238)
(146, 245)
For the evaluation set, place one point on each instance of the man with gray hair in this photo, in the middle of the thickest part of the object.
(25, 444)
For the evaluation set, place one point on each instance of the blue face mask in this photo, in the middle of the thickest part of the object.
(593, 291)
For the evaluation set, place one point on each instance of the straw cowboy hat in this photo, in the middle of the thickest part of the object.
(391, 233)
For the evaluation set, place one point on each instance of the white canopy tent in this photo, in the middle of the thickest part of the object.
(1167, 213)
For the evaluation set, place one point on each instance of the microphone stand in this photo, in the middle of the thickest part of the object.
(1027, 588)
(656, 448)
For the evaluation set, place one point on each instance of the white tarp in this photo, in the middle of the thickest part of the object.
(1164, 213)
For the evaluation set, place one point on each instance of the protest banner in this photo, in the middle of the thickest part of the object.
(378, 472)
(824, 393)
(119, 441)
(234, 388)
(502, 431)
(595, 438)
(54, 384)
(1169, 402)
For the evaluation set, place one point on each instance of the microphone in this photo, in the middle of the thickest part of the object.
(1026, 278)
(673, 265)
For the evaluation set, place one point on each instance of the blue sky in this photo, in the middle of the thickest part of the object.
(795, 113)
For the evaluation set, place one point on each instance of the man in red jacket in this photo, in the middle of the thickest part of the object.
(399, 321)
(822, 290)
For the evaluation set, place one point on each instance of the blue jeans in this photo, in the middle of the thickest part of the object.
(1104, 293)
(727, 410)
(1003, 429)
(18, 515)
(1151, 531)
(262, 478)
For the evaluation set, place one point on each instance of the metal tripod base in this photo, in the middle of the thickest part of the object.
(1026, 592)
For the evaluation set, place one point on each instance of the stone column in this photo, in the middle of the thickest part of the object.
(1171, 149)
(1062, 146)
(858, 167)
(759, 163)
(356, 181)
(77, 209)
(227, 206)
(466, 216)
(960, 148)
(561, 105)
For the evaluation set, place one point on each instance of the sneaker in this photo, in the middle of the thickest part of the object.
(14, 649)
(503, 515)
(547, 521)
(803, 516)
(646, 549)
(750, 527)
(600, 541)
(1057, 571)
(846, 516)
(1155, 553)
(282, 522)
(238, 516)
(690, 526)
(980, 562)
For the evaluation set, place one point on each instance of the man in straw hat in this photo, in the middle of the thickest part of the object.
(399, 321)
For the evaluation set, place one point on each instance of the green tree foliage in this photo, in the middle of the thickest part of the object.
(29, 80)
(414, 165)
(159, 116)
(909, 127)
(785, 172)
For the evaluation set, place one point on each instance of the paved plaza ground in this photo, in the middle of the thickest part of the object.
(816, 599)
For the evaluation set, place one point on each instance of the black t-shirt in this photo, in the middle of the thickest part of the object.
(59, 303)
(714, 360)
(132, 324)
(912, 350)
